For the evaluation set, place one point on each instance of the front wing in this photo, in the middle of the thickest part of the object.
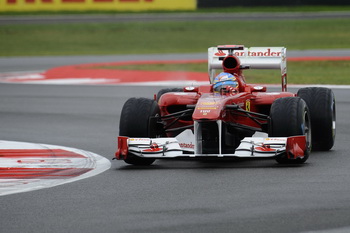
(250, 147)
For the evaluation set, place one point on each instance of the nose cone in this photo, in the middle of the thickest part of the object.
(208, 108)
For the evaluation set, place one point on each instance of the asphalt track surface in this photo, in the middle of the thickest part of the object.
(171, 195)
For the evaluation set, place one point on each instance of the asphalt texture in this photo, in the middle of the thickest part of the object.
(171, 195)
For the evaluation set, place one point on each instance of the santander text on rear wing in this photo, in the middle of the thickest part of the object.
(252, 58)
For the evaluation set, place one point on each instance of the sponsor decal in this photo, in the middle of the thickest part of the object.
(264, 149)
(220, 53)
(152, 150)
(186, 145)
(205, 112)
(206, 108)
(117, 5)
(265, 53)
(207, 103)
(139, 139)
(276, 139)
(78, 1)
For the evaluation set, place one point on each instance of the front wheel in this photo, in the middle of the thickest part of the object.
(135, 122)
(290, 117)
(321, 103)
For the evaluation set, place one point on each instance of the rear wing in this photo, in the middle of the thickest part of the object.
(252, 58)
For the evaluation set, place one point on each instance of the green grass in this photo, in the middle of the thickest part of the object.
(169, 37)
(299, 72)
(306, 72)
(237, 9)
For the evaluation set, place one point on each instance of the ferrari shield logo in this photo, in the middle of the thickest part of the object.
(247, 105)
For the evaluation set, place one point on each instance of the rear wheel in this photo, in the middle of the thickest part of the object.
(290, 117)
(135, 122)
(321, 103)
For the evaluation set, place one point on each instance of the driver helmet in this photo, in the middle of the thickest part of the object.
(224, 80)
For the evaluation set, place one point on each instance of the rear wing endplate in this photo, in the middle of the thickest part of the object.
(253, 57)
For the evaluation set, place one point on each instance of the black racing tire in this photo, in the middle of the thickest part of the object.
(134, 122)
(166, 90)
(289, 116)
(321, 103)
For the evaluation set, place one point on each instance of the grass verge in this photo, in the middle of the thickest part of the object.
(169, 37)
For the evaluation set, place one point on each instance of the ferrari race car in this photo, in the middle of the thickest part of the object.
(242, 121)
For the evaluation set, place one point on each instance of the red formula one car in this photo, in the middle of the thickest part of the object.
(228, 117)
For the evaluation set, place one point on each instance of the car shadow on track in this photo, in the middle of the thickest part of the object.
(235, 163)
